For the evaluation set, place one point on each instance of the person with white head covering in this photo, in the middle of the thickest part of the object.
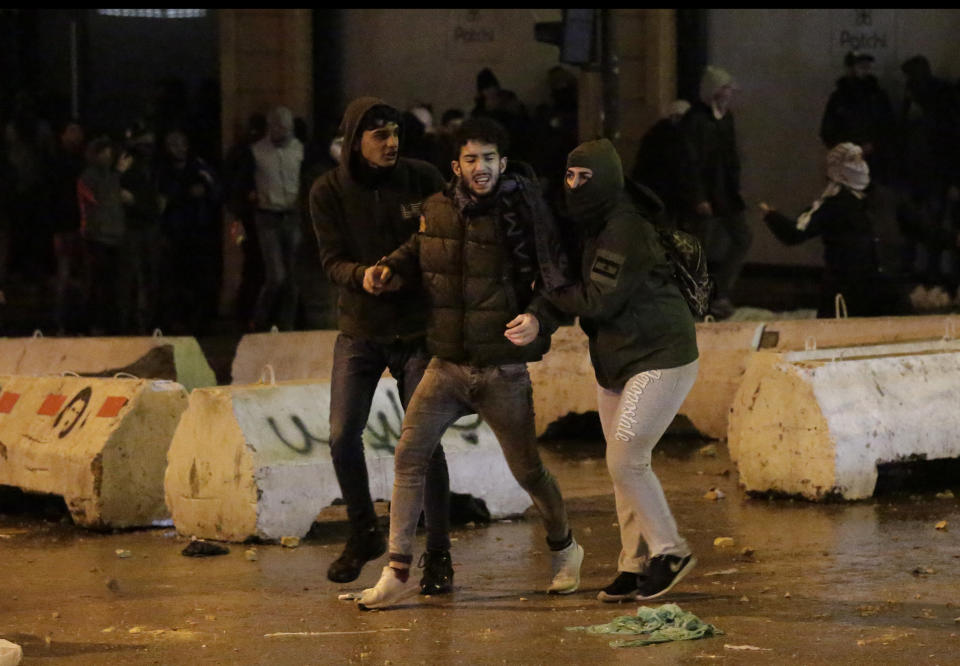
(712, 177)
(844, 219)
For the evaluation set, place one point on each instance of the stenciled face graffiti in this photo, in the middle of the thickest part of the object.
(72, 412)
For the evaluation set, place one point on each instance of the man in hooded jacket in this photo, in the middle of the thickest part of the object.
(363, 210)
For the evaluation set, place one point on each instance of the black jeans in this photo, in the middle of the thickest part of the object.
(726, 270)
(357, 367)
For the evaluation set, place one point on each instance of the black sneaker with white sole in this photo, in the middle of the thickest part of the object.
(623, 588)
(662, 573)
(437, 572)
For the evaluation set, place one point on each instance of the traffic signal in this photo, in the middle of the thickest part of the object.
(574, 35)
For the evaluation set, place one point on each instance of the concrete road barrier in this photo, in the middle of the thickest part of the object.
(564, 380)
(177, 358)
(99, 443)
(10, 653)
(726, 347)
(292, 355)
(254, 460)
(817, 423)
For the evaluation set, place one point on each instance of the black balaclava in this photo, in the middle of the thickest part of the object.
(589, 204)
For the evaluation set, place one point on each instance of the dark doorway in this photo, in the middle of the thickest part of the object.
(159, 67)
(691, 52)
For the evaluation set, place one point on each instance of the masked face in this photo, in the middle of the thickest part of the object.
(577, 177)
(479, 167)
(381, 146)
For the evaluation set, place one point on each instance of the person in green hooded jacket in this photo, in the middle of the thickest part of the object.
(643, 347)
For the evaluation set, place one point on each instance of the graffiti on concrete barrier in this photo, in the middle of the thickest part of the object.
(383, 426)
(74, 410)
(388, 436)
(309, 439)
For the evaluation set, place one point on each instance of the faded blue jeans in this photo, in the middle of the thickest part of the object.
(503, 397)
(357, 367)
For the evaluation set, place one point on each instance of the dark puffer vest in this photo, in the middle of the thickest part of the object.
(472, 283)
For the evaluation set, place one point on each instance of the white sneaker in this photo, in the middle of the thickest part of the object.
(388, 591)
(566, 569)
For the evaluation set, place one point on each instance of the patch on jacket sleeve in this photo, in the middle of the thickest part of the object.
(606, 268)
(423, 223)
(411, 210)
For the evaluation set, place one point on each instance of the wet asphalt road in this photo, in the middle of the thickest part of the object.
(848, 583)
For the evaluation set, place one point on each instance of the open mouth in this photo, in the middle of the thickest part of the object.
(482, 180)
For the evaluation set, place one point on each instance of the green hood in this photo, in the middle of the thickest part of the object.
(589, 204)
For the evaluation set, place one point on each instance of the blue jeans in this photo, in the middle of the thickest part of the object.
(503, 397)
(357, 367)
(279, 236)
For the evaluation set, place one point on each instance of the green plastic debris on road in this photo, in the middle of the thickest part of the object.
(665, 624)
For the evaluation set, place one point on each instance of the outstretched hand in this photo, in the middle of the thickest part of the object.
(522, 329)
(379, 278)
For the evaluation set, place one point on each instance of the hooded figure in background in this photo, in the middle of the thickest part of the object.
(659, 163)
(712, 184)
(643, 347)
(842, 216)
(859, 112)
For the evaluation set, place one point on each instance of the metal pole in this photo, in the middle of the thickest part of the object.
(610, 64)
(74, 71)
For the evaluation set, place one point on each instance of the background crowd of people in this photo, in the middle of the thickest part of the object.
(901, 235)
(122, 232)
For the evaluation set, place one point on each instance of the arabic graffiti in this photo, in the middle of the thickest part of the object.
(383, 429)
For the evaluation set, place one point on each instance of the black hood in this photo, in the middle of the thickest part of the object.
(589, 204)
(352, 165)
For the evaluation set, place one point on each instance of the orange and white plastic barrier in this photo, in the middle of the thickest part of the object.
(99, 443)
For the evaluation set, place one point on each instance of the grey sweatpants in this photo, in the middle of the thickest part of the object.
(633, 421)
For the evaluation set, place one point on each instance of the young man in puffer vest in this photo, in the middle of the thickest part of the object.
(484, 248)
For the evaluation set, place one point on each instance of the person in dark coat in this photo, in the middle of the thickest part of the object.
(239, 199)
(660, 161)
(712, 181)
(505, 107)
(482, 247)
(842, 218)
(362, 211)
(140, 288)
(643, 347)
(190, 227)
(927, 168)
(67, 246)
(103, 227)
(859, 112)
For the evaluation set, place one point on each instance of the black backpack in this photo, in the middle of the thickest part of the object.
(683, 250)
